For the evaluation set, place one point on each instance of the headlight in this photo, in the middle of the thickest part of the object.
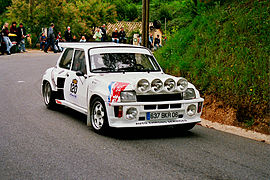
(128, 96)
(156, 85)
(191, 110)
(182, 84)
(169, 85)
(131, 113)
(143, 85)
(189, 94)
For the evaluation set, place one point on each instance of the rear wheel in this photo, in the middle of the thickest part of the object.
(48, 96)
(98, 115)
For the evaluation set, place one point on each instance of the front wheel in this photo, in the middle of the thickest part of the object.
(48, 96)
(98, 116)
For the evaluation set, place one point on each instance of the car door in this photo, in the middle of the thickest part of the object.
(75, 88)
(60, 73)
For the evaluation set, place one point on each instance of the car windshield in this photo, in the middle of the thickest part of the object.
(123, 62)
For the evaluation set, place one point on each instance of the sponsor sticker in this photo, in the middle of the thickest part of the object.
(115, 88)
(161, 122)
(74, 88)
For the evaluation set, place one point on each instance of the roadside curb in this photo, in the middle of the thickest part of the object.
(236, 131)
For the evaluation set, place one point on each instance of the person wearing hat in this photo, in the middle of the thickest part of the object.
(50, 39)
(115, 36)
(21, 35)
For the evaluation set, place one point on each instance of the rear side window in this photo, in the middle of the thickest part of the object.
(66, 58)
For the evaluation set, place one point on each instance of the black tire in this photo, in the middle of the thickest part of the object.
(49, 96)
(98, 116)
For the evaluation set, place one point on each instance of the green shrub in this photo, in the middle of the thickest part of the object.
(225, 51)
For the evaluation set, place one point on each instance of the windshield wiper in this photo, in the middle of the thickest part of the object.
(103, 69)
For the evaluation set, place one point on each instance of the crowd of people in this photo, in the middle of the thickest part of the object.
(18, 35)
(13, 36)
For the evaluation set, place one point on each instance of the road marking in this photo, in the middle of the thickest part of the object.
(21, 81)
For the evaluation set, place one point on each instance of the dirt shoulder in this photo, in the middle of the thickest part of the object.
(218, 116)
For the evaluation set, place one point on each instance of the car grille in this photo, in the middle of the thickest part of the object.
(159, 97)
(162, 106)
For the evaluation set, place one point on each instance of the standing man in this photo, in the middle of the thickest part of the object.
(68, 35)
(104, 33)
(115, 36)
(21, 35)
(50, 40)
(122, 36)
(6, 39)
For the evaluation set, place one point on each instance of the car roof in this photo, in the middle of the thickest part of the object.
(89, 45)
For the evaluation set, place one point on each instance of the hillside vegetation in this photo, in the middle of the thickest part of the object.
(224, 51)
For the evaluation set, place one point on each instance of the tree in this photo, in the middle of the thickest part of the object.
(80, 15)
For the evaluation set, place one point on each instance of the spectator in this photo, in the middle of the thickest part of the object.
(122, 36)
(6, 39)
(68, 35)
(42, 40)
(97, 36)
(115, 36)
(50, 40)
(83, 39)
(150, 42)
(157, 42)
(59, 39)
(21, 35)
(13, 28)
(104, 33)
(74, 39)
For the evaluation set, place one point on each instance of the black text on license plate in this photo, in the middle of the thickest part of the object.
(161, 115)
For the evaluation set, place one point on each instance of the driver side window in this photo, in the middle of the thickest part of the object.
(79, 62)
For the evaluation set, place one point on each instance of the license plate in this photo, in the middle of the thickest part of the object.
(161, 115)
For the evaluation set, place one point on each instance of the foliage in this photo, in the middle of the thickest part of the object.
(3, 5)
(80, 15)
(126, 11)
(225, 52)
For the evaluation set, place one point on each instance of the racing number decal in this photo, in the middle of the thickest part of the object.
(74, 86)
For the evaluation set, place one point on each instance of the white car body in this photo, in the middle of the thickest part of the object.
(150, 107)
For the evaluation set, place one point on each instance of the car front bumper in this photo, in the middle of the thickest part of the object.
(166, 113)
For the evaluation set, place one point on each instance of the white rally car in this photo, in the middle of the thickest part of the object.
(119, 85)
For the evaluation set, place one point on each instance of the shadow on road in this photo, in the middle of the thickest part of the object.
(149, 133)
(133, 133)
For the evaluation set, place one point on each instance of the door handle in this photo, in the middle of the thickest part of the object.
(67, 74)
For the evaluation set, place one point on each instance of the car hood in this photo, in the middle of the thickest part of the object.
(130, 80)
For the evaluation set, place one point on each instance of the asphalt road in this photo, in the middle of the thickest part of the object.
(37, 143)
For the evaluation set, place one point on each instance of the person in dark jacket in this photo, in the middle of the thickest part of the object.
(6, 39)
(43, 41)
(122, 36)
(68, 35)
(13, 28)
(157, 42)
(103, 33)
(115, 36)
(50, 40)
(21, 35)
